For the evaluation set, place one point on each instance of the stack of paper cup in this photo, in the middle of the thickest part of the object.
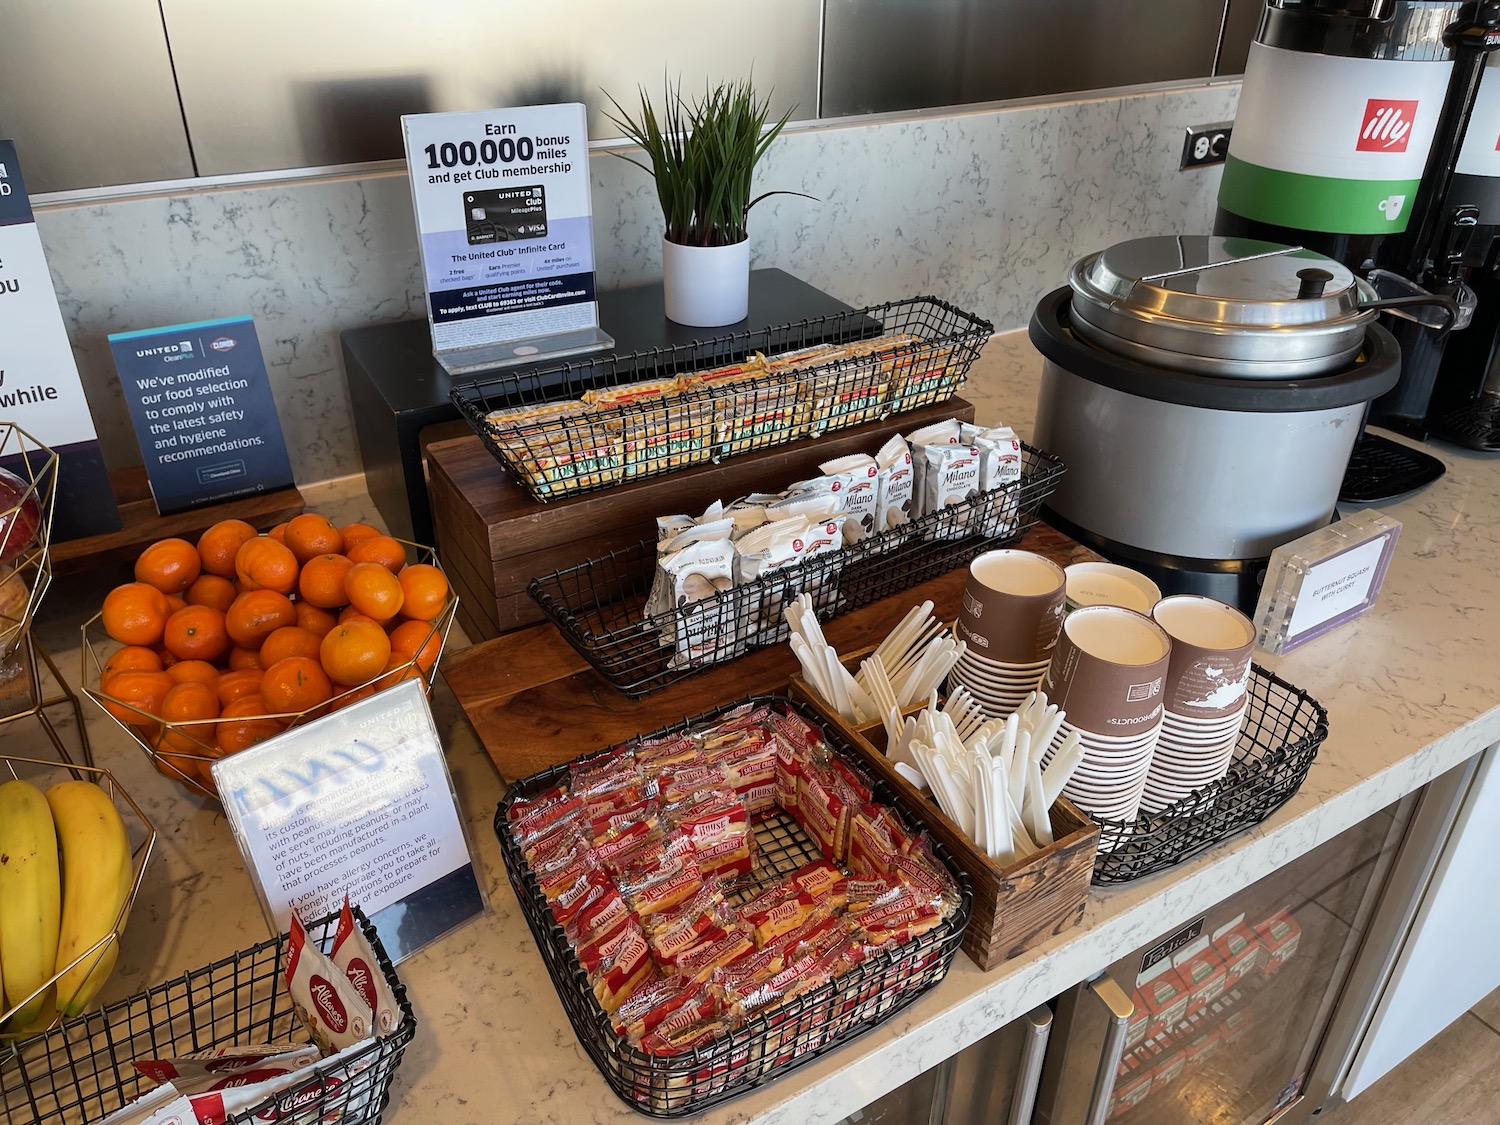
(1205, 697)
(1108, 674)
(1009, 618)
(1102, 583)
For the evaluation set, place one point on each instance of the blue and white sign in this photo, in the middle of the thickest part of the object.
(505, 223)
(203, 412)
(39, 386)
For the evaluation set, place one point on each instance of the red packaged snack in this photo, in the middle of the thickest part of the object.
(700, 962)
(872, 851)
(592, 885)
(771, 920)
(625, 968)
(522, 807)
(1166, 997)
(1239, 948)
(813, 938)
(353, 954)
(329, 1006)
(626, 845)
(659, 755)
(650, 1004)
(897, 916)
(746, 716)
(563, 870)
(703, 917)
(744, 975)
(825, 882)
(679, 1040)
(541, 819)
(789, 764)
(691, 1008)
(605, 943)
(719, 830)
(859, 793)
(653, 888)
(611, 821)
(589, 772)
(682, 783)
(597, 915)
(1279, 936)
(822, 813)
(563, 835)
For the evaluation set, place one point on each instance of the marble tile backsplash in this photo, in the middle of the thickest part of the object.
(983, 208)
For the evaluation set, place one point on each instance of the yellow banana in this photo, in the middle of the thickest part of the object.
(29, 900)
(96, 880)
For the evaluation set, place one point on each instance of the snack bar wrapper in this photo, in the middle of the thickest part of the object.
(152, 1108)
(343, 1096)
(352, 953)
(332, 1009)
(240, 1067)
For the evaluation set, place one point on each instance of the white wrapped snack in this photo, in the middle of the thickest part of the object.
(668, 527)
(807, 505)
(946, 432)
(938, 433)
(773, 546)
(343, 1096)
(821, 583)
(746, 519)
(951, 476)
(703, 627)
(659, 601)
(151, 1108)
(863, 499)
(233, 1067)
(329, 1007)
(1000, 466)
(895, 482)
(353, 953)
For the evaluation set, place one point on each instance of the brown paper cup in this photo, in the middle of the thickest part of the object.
(1012, 606)
(1109, 671)
(1211, 647)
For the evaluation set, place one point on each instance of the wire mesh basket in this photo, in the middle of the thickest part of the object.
(81, 1071)
(599, 605)
(142, 837)
(186, 750)
(601, 422)
(779, 1039)
(1283, 728)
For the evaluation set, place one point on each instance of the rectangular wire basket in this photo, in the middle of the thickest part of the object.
(1283, 728)
(564, 452)
(599, 605)
(778, 1040)
(81, 1071)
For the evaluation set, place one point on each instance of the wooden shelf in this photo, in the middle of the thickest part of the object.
(143, 526)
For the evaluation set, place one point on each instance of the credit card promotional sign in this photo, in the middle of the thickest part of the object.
(505, 222)
(39, 386)
(203, 412)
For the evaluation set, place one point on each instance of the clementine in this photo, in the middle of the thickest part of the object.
(219, 544)
(171, 565)
(238, 684)
(309, 535)
(357, 533)
(196, 632)
(263, 563)
(316, 621)
(135, 613)
(144, 693)
(243, 658)
(212, 591)
(321, 582)
(254, 616)
(289, 640)
(355, 652)
(251, 724)
(294, 685)
(380, 549)
(194, 671)
(131, 658)
(373, 591)
(418, 641)
(187, 709)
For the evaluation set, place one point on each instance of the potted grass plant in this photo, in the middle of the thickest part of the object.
(702, 155)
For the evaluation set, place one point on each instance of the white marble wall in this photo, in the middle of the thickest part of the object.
(983, 208)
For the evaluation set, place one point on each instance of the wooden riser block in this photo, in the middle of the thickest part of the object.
(495, 539)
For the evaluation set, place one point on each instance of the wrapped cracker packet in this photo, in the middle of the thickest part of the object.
(352, 953)
(331, 1008)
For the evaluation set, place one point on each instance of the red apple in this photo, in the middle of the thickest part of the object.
(20, 516)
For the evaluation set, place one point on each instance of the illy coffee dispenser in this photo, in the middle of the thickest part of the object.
(1350, 124)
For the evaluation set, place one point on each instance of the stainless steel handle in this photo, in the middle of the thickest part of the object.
(1119, 1008)
(1036, 1026)
(1205, 267)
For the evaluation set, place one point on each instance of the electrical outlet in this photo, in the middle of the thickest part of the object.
(1206, 144)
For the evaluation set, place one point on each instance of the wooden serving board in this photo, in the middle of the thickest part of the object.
(494, 539)
(535, 702)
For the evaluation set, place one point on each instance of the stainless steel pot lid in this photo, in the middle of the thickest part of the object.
(1227, 306)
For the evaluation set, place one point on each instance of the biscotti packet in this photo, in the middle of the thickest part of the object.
(703, 627)
(951, 477)
(331, 1008)
(895, 481)
(862, 501)
(352, 953)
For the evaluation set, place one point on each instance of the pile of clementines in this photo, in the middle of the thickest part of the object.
(228, 641)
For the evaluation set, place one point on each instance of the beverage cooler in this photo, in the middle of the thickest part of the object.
(1216, 1022)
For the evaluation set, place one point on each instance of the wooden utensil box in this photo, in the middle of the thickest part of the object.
(1016, 907)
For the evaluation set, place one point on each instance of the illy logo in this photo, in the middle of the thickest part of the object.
(1387, 125)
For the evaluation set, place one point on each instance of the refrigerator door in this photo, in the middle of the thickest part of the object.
(994, 1082)
(1078, 1076)
(1230, 1009)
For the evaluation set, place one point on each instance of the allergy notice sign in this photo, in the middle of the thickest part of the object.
(505, 224)
(203, 413)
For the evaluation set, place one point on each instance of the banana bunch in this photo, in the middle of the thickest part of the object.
(65, 873)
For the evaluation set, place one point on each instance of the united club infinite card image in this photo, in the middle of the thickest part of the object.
(505, 214)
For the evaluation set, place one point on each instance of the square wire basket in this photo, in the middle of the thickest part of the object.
(565, 453)
(81, 1071)
(1278, 741)
(599, 604)
(783, 1037)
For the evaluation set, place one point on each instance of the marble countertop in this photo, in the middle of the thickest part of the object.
(1410, 691)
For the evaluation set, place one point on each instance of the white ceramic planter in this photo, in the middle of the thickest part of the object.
(706, 286)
